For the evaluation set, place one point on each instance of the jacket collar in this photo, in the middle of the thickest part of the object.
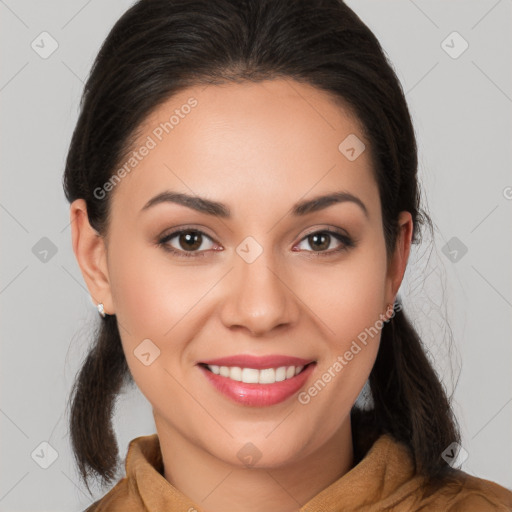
(376, 478)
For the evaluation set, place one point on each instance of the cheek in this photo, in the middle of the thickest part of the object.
(136, 289)
(349, 304)
(151, 294)
(348, 297)
(149, 301)
(158, 300)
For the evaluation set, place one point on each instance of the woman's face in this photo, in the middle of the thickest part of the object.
(256, 281)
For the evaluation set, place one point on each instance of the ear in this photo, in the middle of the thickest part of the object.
(398, 262)
(91, 254)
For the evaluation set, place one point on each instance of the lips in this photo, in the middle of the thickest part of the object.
(257, 381)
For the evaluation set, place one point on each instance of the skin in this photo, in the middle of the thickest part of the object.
(257, 148)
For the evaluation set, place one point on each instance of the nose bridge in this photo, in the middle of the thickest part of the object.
(257, 298)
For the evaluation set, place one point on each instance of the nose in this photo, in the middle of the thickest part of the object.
(258, 298)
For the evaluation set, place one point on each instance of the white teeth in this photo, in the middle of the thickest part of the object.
(224, 371)
(253, 376)
(250, 376)
(235, 373)
(281, 374)
(267, 376)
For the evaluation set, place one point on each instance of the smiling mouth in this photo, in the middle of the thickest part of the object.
(256, 376)
(258, 381)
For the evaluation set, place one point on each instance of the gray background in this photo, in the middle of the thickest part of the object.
(462, 114)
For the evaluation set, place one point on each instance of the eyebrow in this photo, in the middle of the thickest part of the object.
(218, 209)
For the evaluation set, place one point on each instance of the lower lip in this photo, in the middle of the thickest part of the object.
(258, 395)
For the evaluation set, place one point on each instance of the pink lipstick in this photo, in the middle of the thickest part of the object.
(257, 381)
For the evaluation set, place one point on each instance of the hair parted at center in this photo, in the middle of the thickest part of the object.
(161, 47)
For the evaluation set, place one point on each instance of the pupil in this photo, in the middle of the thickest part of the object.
(192, 241)
(317, 237)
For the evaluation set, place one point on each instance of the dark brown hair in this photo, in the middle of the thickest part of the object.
(160, 47)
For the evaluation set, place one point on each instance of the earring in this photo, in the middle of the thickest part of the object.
(101, 310)
(390, 306)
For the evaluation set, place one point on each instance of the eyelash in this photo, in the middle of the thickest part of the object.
(347, 243)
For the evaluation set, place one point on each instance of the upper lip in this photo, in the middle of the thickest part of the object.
(258, 362)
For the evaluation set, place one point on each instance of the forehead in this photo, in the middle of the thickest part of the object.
(272, 139)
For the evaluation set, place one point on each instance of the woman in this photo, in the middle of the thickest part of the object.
(244, 195)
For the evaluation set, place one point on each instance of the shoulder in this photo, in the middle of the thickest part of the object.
(142, 465)
(117, 497)
(467, 493)
(387, 470)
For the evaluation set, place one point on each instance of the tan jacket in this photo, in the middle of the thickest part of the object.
(382, 481)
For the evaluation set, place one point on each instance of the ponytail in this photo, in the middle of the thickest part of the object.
(101, 377)
(409, 401)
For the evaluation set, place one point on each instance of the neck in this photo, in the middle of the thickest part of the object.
(217, 486)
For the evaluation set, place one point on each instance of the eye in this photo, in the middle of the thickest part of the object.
(187, 243)
(321, 241)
